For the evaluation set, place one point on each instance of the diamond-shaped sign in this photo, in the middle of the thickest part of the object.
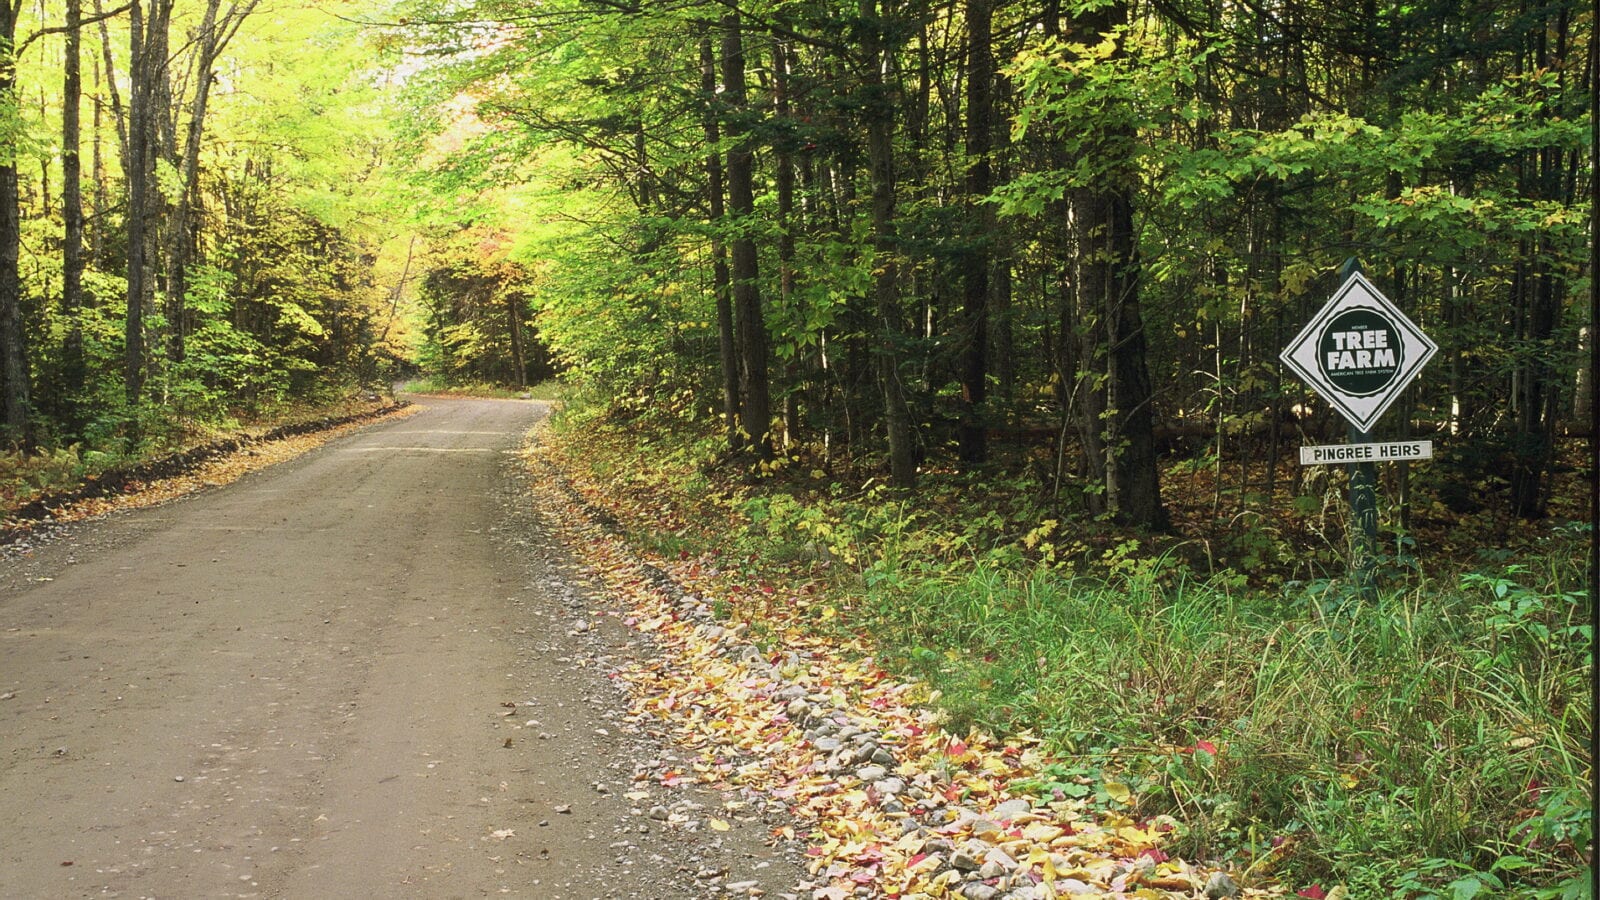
(1359, 352)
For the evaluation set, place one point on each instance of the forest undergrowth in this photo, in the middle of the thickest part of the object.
(132, 442)
(1427, 739)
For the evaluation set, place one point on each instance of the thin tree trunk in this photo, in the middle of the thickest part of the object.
(111, 81)
(1541, 382)
(97, 243)
(721, 287)
(756, 412)
(978, 255)
(1000, 295)
(14, 376)
(146, 107)
(1583, 405)
(879, 113)
(519, 359)
(135, 166)
(784, 178)
(214, 35)
(72, 207)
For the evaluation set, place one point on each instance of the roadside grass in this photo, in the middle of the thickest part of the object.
(1427, 741)
(1432, 736)
(116, 439)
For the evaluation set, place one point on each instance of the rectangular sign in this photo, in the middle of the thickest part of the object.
(1391, 451)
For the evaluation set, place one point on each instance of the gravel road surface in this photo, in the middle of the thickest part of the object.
(351, 675)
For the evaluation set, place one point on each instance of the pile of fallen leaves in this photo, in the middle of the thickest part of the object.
(889, 803)
(191, 473)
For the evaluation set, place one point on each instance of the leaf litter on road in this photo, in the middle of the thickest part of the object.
(887, 802)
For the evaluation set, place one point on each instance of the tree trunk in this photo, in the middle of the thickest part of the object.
(14, 375)
(727, 347)
(136, 143)
(97, 165)
(1003, 315)
(110, 81)
(1583, 407)
(1540, 380)
(176, 238)
(756, 412)
(784, 179)
(72, 211)
(519, 354)
(1109, 285)
(977, 256)
(214, 35)
(879, 112)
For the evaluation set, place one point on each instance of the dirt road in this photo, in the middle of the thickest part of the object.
(353, 675)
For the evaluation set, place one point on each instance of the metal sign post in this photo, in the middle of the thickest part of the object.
(1364, 512)
(1359, 352)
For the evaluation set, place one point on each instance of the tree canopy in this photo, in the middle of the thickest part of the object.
(886, 233)
(923, 227)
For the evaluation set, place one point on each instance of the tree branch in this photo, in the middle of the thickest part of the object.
(63, 29)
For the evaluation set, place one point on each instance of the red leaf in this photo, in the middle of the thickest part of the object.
(1315, 892)
(1207, 746)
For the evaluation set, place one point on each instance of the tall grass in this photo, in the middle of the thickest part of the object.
(1432, 738)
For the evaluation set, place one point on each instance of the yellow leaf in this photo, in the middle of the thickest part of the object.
(1118, 791)
(1137, 836)
(718, 825)
(1042, 833)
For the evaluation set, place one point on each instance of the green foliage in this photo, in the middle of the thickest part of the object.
(1434, 724)
(279, 305)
